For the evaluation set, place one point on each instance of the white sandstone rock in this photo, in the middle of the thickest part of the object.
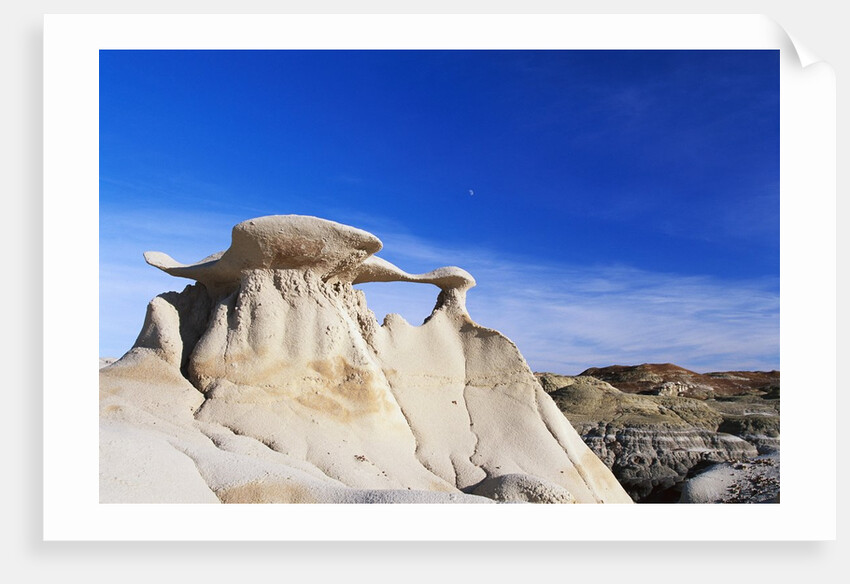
(271, 381)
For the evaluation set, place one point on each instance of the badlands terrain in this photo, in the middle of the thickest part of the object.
(672, 435)
(268, 380)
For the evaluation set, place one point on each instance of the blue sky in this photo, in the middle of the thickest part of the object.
(614, 206)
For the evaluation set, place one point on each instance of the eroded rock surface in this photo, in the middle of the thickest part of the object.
(654, 444)
(270, 381)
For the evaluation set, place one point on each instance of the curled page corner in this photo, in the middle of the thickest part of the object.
(804, 55)
(791, 44)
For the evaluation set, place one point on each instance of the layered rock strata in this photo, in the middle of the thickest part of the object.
(270, 381)
(655, 443)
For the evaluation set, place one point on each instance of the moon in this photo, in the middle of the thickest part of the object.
(471, 192)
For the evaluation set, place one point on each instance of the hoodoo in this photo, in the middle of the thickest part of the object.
(270, 381)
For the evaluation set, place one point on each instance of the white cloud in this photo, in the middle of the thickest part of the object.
(567, 318)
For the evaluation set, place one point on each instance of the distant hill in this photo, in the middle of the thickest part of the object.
(672, 380)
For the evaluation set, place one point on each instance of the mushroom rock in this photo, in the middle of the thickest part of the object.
(277, 242)
(270, 380)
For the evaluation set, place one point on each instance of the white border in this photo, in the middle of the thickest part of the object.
(71, 510)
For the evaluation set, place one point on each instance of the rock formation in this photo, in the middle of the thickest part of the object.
(269, 380)
(654, 444)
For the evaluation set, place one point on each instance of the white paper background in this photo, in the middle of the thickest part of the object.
(71, 154)
(812, 341)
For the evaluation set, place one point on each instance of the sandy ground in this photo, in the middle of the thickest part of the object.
(755, 481)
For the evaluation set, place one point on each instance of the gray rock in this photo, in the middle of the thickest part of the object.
(655, 443)
(755, 481)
